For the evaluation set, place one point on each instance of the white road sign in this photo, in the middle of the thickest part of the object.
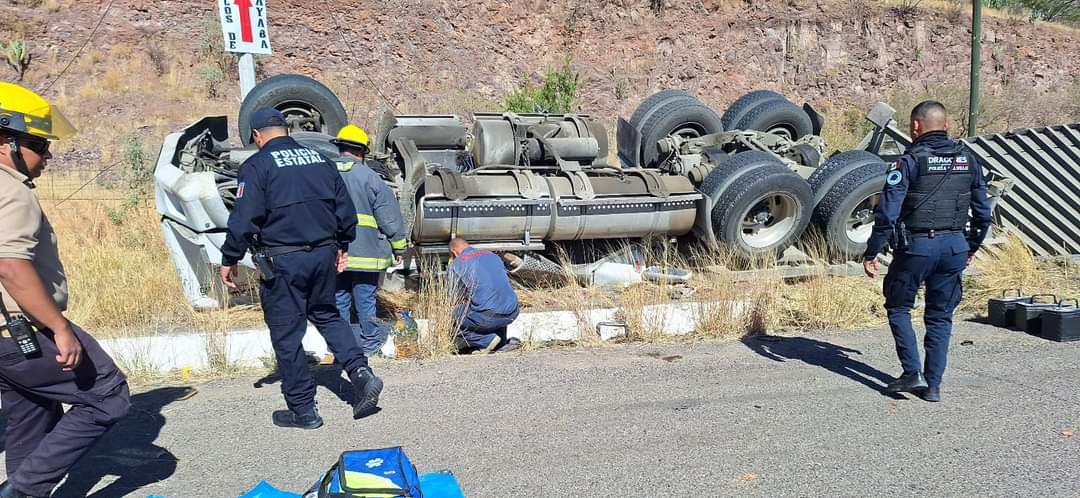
(243, 22)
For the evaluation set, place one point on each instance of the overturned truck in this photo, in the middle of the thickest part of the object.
(752, 180)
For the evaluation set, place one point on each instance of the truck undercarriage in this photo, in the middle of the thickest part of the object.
(751, 181)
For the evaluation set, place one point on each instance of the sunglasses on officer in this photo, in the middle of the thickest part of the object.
(39, 147)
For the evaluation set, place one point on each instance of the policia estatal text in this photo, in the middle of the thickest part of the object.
(923, 215)
(293, 211)
(45, 360)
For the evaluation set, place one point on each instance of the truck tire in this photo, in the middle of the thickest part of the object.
(760, 206)
(728, 168)
(656, 100)
(309, 104)
(686, 118)
(320, 142)
(845, 215)
(738, 108)
(835, 167)
(777, 116)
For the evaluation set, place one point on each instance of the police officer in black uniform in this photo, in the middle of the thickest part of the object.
(924, 212)
(293, 210)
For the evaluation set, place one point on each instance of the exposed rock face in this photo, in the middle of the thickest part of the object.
(434, 55)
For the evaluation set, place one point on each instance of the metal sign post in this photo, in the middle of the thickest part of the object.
(244, 25)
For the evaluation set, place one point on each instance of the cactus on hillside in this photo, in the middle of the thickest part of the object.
(17, 56)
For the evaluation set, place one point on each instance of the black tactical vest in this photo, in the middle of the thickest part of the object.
(947, 208)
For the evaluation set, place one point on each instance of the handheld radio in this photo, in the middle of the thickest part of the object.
(23, 332)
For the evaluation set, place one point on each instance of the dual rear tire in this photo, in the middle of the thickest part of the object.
(760, 206)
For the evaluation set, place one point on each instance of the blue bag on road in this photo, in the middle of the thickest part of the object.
(382, 473)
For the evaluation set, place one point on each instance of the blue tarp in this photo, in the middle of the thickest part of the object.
(433, 485)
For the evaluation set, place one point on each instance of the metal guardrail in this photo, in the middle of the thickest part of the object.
(1043, 204)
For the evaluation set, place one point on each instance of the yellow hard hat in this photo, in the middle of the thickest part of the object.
(352, 136)
(25, 112)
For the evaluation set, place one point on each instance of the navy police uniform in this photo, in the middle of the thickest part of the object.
(480, 276)
(931, 189)
(292, 202)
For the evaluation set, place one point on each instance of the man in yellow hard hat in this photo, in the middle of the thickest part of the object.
(380, 237)
(45, 360)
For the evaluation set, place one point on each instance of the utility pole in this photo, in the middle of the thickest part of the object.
(976, 64)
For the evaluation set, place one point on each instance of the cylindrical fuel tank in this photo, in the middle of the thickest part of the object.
(541, 139)
(521, 205)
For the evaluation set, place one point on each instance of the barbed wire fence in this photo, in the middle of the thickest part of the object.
(78, 188)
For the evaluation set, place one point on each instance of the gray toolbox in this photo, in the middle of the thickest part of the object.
(1028, 314)
(1000, 310)
(1061, 323)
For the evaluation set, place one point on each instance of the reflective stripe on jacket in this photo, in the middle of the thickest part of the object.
(379, 228)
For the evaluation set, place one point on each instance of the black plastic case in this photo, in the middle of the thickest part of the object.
(1000, 310)
(1062, 323)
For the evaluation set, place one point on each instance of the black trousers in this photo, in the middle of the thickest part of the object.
(302, 291)
(43, 442)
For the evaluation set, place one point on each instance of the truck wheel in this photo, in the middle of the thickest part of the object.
(738, 108)
(760, 206)
(777, 116)
(727, 168)
(845, 216)
(307, 104)
(834, 168)
(318, 142)
(682, 117)
(656, 100)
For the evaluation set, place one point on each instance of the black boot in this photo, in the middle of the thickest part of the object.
(293, 420)
(368, 387)
(931, 394)
(907, 383)
(7, 490)
(511, 344)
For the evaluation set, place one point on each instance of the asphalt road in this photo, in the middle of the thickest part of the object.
(800, 416)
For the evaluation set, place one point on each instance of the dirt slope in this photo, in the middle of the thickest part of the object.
(431, 55)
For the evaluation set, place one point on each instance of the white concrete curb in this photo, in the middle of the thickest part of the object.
(252, 348)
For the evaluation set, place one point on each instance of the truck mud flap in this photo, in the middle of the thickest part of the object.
(629, 143)
(703, 229)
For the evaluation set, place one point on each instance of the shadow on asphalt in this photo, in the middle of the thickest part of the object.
(128, 451)
(328, 376)
(983, 320)
(820, 354)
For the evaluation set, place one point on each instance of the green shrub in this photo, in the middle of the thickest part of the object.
(557, 93)
(1064, 11)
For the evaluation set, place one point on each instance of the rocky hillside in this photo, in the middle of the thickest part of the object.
(146, 64)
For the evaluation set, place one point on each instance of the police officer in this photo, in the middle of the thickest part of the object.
(380, 236)
(924, 208)
(68, 367)
(292, 208)
(479, 278)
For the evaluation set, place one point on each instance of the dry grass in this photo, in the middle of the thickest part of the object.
(1012, 266)
(825, 302)
(435, 305)
(120, 276)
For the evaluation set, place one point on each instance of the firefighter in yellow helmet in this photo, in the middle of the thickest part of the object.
(45, 360)
(380, 237)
